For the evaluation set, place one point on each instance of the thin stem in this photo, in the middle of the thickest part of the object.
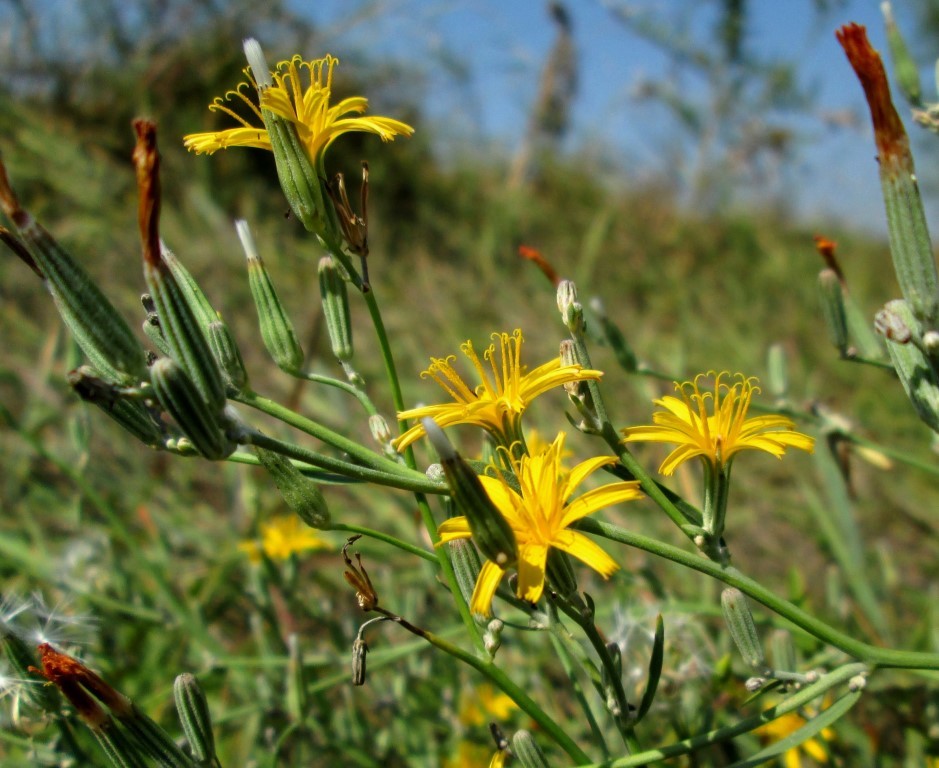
(387, 538)
(362, 454)
(345, 386)
(500, 679)
(615, 678)
(879, 657)
(418, 483)
(694, 743)
(427, 516)
(567, 661)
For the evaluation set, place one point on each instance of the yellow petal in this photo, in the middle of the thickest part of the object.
(486, 585)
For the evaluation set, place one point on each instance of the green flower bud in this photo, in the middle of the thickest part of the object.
(832, 300)
(277, 331)
(225, 350)
(336, 308)
(301, 494)
(131, 414)
(572, 312)
(742, 627)
(193, 710)
(182, 400)
(527, 752)
(300, 181)
(491, 531)
(466, 566)
(101, 332)
(777, 377)
(184, 336)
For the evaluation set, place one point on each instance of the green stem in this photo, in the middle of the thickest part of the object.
(417, 482)
(345, 386)
(567, 661)
(686, 746)
(359, 452)
(500, 679)
(879, 657)
(385, 537)
(615, 678)
(427, 516)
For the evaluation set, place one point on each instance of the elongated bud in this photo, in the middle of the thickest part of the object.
(560, 574)
(742, 628)
(228, 356)
(615, 338)
(905, 69)
(153, 331)
(910, 245)
(359, 653)
(301, 494)
(777, 378)
(277, 331)
(180, 325)
(336, 308)
(193, 710)
(491, 531)
(178, 395)
(527, 752)
(299, 180)
(101, 332)
(132, 415)
(466, 566)
(832, 300)
(572, 312)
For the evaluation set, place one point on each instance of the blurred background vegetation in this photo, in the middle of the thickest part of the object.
(142, 547)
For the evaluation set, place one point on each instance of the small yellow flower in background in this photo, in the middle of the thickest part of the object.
(501, 398)
(483, 704)
(814, 748)
(539, 517)
(714, 424)
(281, 537)
(470, 755)
(318, 124)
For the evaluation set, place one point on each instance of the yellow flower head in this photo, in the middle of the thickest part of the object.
(281, 537)
(714, 424)
(786, 725)
(539, 516)
(318, 124)
(501, 398)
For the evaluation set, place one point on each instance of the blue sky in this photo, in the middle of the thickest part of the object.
(481, 61)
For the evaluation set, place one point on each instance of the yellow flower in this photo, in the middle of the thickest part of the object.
(501, 398)
(471, 755)
(318, 124)
(539, 517)
(714, 425)
(788, 724)
(281, 537)
(483, 704)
